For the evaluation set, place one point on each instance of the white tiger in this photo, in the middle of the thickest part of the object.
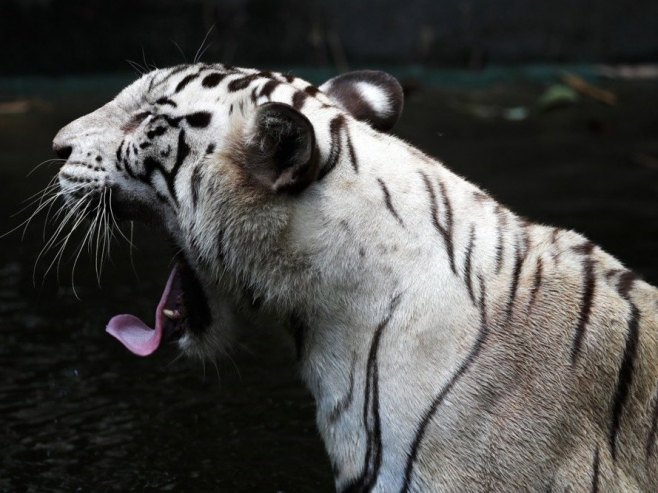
(449, 344)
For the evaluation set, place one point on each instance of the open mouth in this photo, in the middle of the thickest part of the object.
(183, 308)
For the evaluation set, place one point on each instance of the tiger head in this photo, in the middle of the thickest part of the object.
(220, 158)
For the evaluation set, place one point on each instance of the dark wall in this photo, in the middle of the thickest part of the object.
(62, 36)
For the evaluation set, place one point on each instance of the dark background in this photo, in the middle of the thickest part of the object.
(485, 92)
(68, 36)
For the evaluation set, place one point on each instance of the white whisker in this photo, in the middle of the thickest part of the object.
(200, 51)
(116, 225)
(77, 256)
(136, 67)
(132, 246)
(65, 241)
(54, 238)
(180, 50)
(61, 245)
(42, 163)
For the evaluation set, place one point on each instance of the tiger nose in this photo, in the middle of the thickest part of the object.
(61, 150)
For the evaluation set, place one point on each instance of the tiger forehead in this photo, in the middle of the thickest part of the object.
(167, 87)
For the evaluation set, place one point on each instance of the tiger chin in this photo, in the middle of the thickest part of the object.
(450, 345)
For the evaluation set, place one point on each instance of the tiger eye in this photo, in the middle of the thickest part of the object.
(135, 121)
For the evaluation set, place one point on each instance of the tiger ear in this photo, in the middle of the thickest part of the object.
(369, 95)
(280, 149)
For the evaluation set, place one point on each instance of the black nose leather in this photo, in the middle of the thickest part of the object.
(62, 152)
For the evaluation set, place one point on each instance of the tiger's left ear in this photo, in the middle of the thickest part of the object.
(369, 95)
(280, 149)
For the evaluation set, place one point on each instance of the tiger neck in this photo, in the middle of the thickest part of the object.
(413, 248)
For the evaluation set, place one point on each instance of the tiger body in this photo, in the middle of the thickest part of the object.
(449, 344)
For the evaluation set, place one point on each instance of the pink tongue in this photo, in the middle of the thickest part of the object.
(134, 334)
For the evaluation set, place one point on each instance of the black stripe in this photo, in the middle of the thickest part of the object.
(387, 200)
(166, 152)
(311, 90)
(595, 472)
(166, 101)
(151, 165)
(119, 157)
(242, 82)
(448, 220)
(173, 71)
(171, 120)
(195, 183)
(268, 88)
(128, 167)
(589, 284)
(182, 151)
(162, 198)
(584, 248)
(463, 368)
(516, 275)
(554, 236)
(555, 253)
(538, 278)
(184, 82)
(371, 419)
(156, 132)
(500, 246)
(335, 132)
(467, 263)
(651, 439)
(212, 80)
(345, 403)
(298, 99)
(444, 232)
(350, 150)
(200, 119)
(626, 283)
(480, 196)
(625, 376)
(525, 225)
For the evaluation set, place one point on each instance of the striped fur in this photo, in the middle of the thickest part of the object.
(450, 345)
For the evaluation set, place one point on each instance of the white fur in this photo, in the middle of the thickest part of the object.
(376, 97)
(517, 418)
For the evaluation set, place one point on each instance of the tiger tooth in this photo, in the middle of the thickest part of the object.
(172, 314)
